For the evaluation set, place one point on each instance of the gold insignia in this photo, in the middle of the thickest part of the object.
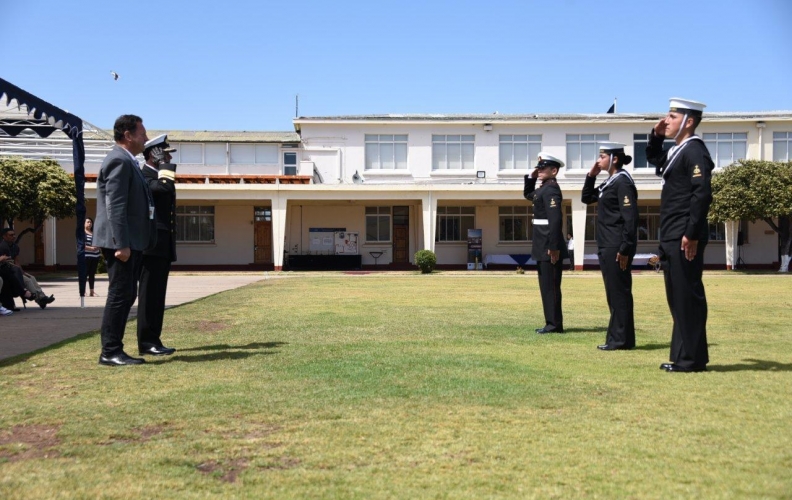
(696, 171)
(626, 201)
(552, 202)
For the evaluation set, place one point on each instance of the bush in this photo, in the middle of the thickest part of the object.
(426, 260)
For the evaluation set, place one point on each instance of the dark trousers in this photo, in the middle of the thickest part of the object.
(618, 291)
(151, 307)
(571, 260)
(91, 263)
(550, 288)
(688, 304)
(121, 294)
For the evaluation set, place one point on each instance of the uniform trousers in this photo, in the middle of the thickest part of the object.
(688, 304)
(151, 306)
(550, 288)
(121, 294)
(618, 291)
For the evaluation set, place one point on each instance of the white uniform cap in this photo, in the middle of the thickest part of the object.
(546, 159)
(610, 147)
(686, 106)
(160, 141)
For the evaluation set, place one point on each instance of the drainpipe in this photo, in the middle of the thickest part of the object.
(761, 126)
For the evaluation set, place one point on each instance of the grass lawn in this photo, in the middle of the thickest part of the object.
(410, 386)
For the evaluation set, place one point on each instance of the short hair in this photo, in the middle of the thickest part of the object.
(696, 121)
(125, 123)
(6, 230)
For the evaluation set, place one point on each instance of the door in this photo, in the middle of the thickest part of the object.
(401, 235)
(262, 228)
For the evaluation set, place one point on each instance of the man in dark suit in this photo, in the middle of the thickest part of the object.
(686, 170)
(123, 229)
(160, 175)
(548, 246)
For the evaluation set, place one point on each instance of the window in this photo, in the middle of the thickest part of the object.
(582, 149)
(452, 152)
(378, 224)
(726, 148)
(640, 141)
(648, 223)
(195, 224)
(513, 222)
(289, 163)
(519, 152)
(591, 223)
(254, 154)
(386, 152)
(215, 154)
(782, 146)
(191, 154)
(717, 232)
(453, 223)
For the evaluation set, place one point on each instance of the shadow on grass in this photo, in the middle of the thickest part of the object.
(224, 347)
(652, 347)
(752, 365)
(593, 329)
(214, 356)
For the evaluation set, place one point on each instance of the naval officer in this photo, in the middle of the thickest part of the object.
(686, 171)
(617, 229)
(548, 246)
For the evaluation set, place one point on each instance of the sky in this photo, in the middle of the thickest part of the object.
(238, 64)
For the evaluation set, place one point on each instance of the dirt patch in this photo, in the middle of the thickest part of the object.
(143, 434)
(26, 442)
(225, 471)
(211, 326)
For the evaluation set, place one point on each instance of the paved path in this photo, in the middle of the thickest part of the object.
(33, 328)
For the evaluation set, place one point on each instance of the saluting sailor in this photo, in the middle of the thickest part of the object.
(617, 229)
(686, 170)
(548, 245)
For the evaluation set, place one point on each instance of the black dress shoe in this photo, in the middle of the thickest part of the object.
(120, 359)
(682, 369)
(156, 350)
(664, 366)
(542, 331)
(606, 347)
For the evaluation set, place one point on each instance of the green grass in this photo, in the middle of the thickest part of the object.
(412, 386)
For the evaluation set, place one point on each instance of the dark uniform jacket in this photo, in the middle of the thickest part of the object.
(617, 212)
(163, 191)
(687, 192)
(122, 204)
(546, 206)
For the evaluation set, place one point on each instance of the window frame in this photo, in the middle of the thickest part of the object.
(713, 145)
(203, 212)
(447, 215)
(464, 140)
(527, 215)
(379, 140)
(640, 145)
(578, 139)
(787, 141)
(532, 141)
(381, 212)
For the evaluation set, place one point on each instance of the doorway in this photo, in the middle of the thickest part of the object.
(262, 235)
(401, 235)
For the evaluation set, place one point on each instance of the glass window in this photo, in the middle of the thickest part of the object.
(453, 223)
(195, 224)
(582, 149)
(386, 151)
(726, 148)
(243, 154)
(648, 223)
(266, 154)
(215, 154)
(289, 163)
(640, 141)
(191, 154)
(453, 152)
(513, 222)
(518, 152)
(378, 224)
(782, 146)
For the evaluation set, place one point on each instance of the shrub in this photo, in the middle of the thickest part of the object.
(426, 260)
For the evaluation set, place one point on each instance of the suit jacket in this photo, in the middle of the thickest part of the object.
(122, 205)
(687, 189)
(163, 190)
(546, 206)
(617, 212)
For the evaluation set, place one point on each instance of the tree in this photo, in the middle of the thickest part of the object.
(33, 190)
(752, 190)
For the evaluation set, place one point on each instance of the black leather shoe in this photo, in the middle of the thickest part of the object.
(542, 331)
(681, 369)
(605, 347)
(664, 366)
(120, 359)
(156, 350)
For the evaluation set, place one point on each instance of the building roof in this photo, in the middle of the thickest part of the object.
(226, 136)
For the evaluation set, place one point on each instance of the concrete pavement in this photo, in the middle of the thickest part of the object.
(34, 328)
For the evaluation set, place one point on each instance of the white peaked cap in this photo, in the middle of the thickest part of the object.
(610, 146)
(682, 105)
(546, 157)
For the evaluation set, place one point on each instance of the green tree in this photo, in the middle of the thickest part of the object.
(33, 190)
(753, 190)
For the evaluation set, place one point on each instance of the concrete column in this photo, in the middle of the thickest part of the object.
(429, 208)
(579, 230)
(279, 202)
(49, 238)
(732, 229)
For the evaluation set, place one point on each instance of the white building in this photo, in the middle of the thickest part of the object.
(405, 183)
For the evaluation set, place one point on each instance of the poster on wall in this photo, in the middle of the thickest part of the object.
(474, 260)
(321, 240)
(346, 243)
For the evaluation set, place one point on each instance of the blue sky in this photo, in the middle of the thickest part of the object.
(237, 65)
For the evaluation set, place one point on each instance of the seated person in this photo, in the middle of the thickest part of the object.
(9, 251)
(3, 310)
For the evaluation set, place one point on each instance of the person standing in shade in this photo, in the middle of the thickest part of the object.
(92, 255)
(617, 233)
(571, 251)
(686, 170)
(160, 175)
(124, 220)
(548, 247)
